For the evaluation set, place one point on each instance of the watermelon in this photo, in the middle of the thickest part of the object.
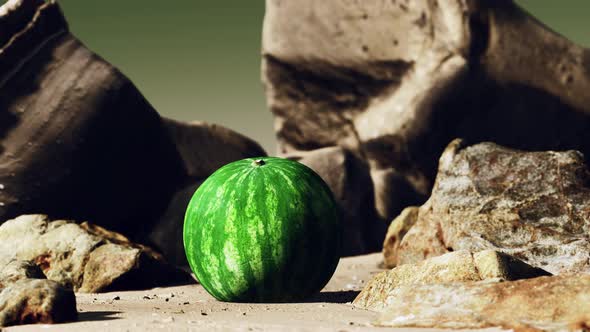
(263, 230)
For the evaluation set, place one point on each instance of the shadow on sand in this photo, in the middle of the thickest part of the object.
(96, 316)
(334, 297)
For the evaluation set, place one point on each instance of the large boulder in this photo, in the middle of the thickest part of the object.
(395, 81)
(531, 205)
(86, 258)
(27, 297)
(77, 139)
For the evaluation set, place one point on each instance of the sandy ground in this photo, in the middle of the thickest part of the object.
(191, 308)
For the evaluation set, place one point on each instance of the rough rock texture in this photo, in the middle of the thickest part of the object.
(459, 266)
(395, 81)
(26, 297)
(205, 147)
(84, 257)
(560, 303)
(77, 139)
(398, 228)
(350, 181)
(534, 206)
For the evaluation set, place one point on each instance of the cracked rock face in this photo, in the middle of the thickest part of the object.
(534, 206)
(27, 297)
(560, 303)
(459, 266)
(395, 81)
(84, 257)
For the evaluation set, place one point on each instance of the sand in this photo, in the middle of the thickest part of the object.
(191, 308)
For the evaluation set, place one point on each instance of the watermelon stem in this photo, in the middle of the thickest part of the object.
(258, 162)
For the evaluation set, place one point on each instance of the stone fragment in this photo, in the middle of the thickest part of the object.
(84, 257)
(534, 206)
(458, 266)
(560, 303)
(350, 182)
(205, 147)
(396, 232)
(27, 297)
(394, 82)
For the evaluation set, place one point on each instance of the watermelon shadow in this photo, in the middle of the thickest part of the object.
(333, 297)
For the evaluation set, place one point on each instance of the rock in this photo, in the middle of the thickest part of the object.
(84, 257)
(531, 205)
(395, 234)
(459, 266)
(167, 234)
(560, 303)
(77, 139)
(394, 82)
(26, 297)
(206, 147)
(350, 181)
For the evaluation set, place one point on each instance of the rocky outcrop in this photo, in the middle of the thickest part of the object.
(85, 257)
(531, 205)
(350, 182)
(395, 81)
(27, 297)
(398, 228)
(560, 303)
(459, 266)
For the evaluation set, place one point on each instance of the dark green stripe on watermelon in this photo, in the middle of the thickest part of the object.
(263, 233)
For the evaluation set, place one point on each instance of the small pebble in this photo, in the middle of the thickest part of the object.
(116, 298)
(203, 313)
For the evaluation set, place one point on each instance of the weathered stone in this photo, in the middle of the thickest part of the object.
(350, 181)
(84, 257)
(395, 81)
(560, 303)
(534, 206)
(27, 297)
(206, 147)
(77, 139)
(395, 234)
(459, 266)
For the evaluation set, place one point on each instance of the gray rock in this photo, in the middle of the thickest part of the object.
(85, 257)
(350, 181)
(560, 303)
(27, 297)
(395, 81)
(531, 205)
(205, 147)
(458, 266)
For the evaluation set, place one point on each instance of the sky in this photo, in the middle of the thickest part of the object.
(200, 59)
